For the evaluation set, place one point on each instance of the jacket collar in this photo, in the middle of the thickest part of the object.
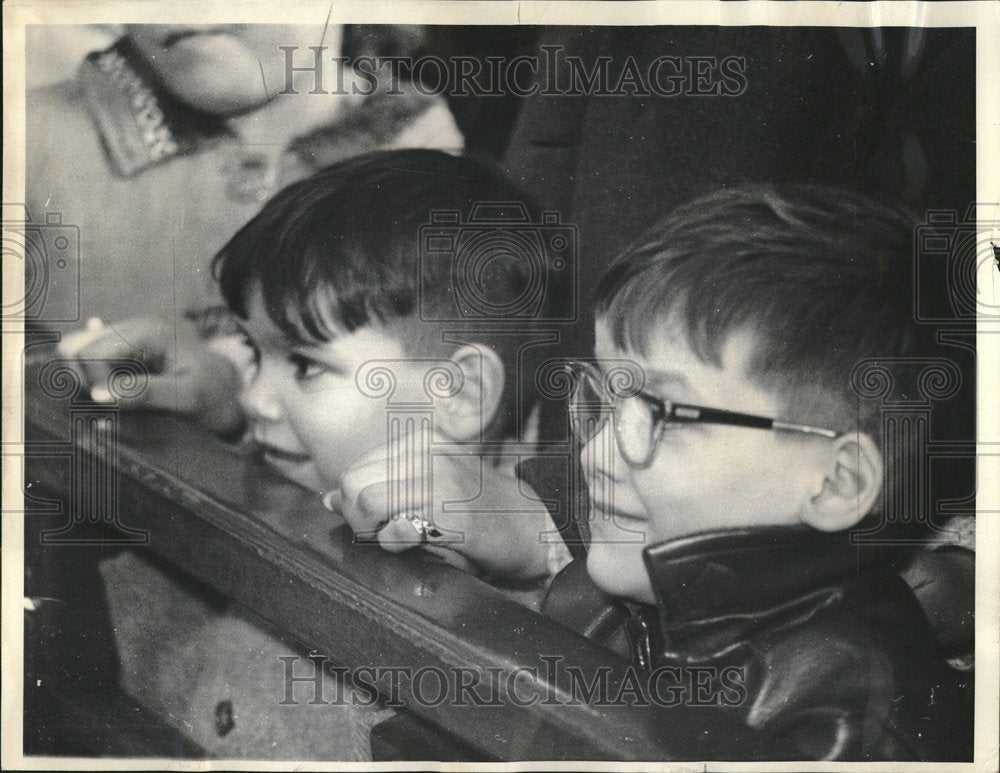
(715, 589)
(139, 123)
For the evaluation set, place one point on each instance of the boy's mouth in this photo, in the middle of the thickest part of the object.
(279, 456)
(601, 508)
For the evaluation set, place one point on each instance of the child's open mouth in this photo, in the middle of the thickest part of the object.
(279, 457)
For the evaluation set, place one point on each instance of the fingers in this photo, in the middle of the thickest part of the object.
(144, 337)
(405, 455)
(392, 511)
(382, 501)
(391, 479)
(403, 533)
(207, 390)
(71, 343)
(135, 364)
(175, 392)
(400, 534)
(503, 543)
(391, 496)
(365, 509)
(100, 350)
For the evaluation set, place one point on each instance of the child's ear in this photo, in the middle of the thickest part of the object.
(467, 414)
(850, 487)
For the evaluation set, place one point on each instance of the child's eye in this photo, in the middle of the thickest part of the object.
(306, 367)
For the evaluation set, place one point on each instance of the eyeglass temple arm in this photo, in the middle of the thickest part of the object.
(809, 430)
(716, 416)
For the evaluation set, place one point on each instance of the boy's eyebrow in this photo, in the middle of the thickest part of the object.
(673, 378)
(658, 379)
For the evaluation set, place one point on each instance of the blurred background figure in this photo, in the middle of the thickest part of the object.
(54, 51)
(164, 143)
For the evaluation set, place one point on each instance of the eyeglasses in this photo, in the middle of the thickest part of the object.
(640, 418)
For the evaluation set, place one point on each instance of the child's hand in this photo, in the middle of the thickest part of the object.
(471, 512)
(185, 376)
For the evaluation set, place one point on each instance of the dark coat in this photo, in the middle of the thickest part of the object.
(826, 650)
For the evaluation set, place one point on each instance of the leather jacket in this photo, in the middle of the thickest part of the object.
(835, 655)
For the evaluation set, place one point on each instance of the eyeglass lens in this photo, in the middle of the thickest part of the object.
(592, 407)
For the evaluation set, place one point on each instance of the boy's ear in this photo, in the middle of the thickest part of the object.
(850, 487)
(467, 414)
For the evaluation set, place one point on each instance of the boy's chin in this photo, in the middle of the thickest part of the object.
(621, 576)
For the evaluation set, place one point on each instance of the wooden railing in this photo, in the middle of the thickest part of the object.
(208, 509)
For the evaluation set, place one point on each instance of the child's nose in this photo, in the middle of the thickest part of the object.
(260, 400)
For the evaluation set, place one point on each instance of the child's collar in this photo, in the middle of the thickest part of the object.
(714, 589)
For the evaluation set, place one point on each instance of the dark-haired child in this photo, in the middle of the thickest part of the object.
(324, 286)
(729, 462)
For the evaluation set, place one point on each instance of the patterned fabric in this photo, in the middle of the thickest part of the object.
(140, 124)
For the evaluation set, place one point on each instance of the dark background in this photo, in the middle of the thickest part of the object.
(889, 112)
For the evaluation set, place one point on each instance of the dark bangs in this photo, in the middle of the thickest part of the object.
(324, 257)
(341, 249)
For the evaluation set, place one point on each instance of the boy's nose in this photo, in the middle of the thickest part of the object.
(259, 400)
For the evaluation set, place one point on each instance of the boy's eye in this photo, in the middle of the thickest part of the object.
(663, 410)
(306, 367)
